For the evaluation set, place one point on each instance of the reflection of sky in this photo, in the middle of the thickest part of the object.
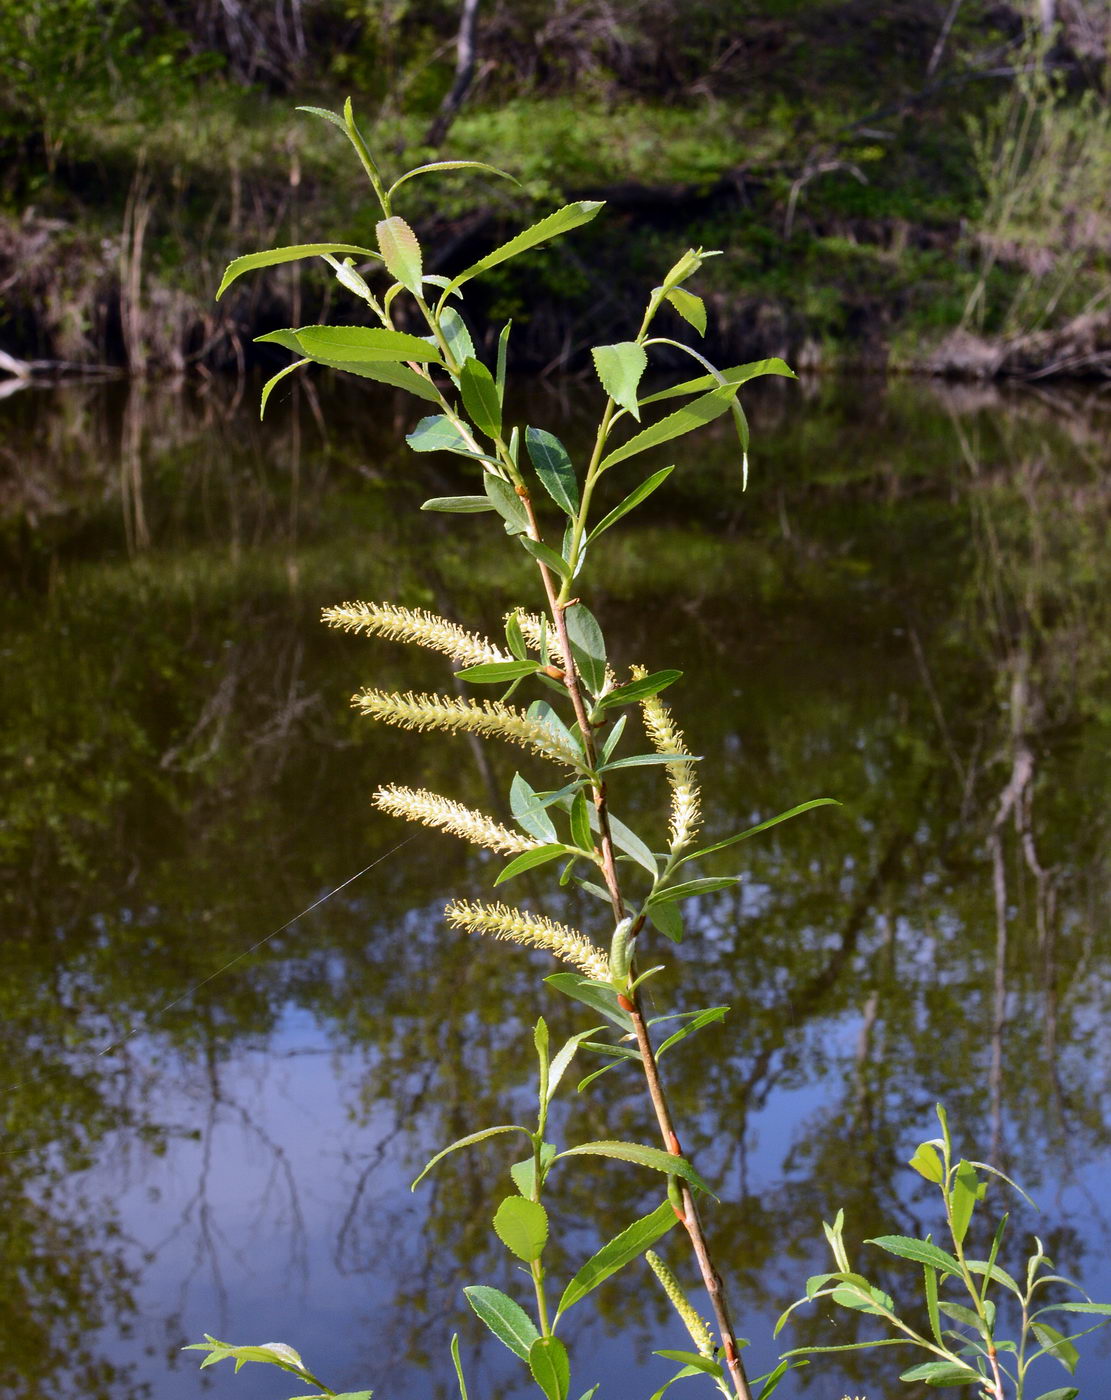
(241, 1229)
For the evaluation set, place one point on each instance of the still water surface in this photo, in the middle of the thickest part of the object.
(908, 611)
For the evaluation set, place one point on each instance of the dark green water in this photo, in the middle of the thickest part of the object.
(908, 611)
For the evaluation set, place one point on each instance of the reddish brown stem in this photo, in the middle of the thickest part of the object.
(691, 1223)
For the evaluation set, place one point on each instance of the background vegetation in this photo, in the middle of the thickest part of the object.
(923, 183)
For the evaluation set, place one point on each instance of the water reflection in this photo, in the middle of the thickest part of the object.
(908, 610)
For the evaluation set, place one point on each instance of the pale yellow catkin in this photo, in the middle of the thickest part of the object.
(667, 737)
(418, 626)
(531, 930)
(430, 809)
(533, 626)
(491, 717)
(699, 1332)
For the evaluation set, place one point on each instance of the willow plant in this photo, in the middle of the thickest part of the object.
(965, 1343)
(576, 722)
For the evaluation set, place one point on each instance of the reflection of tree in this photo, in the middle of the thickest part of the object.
(926, 644)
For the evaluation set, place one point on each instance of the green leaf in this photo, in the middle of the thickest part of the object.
(588, 646)
(593, 994)
(1064, 1392)
(763, 826)
(529, 810)
(363, 344)
(391, 372)
(621, 1250)
(547, 556)
(563, 1058)
(691, 308)
(400, 252)
(669, 920)
(1057, 1345)
(507, 504)
(904, 1247)
(437, 433)
(562, 221)
(514, 638)
(930, 1277)
(434, 167)
(738, 374)
(553, 466)
(551, 1370)
(522, 1226)
(333, 117)
(942, 1373)
(850, 1346)
(454, 330)
(648, 760)
(614, 737)
(499, 377)
(459, 505)
(994, 1272)
(469, 1141)
(684, 420)
(527, 860)
(498, 672)
(634, 691)
(269, 1353)
(581, 834)
(835, 1238)
(620, 368)
(480, 397)
(967, 1190)
(709, 885)
(385, 372)
(345, 1395)
(632, 500)
(653, 1157)
(524, 1173)
(272, 256)
(347, 125)
(863, 1297)
(630, 843)
(964, 1315)
(708, 1017)
(506, 1319)
(772, 1379)
(927, 1163)
(458, 1364)
(1103, 1309)
(678, 1376)
(693, 1359)
(347, 277)
(269, 386)
(685, 267)
(994, 1171)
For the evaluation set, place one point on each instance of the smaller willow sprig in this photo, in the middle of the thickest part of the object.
(975, 1353)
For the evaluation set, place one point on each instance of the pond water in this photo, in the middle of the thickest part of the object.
(234, 1025)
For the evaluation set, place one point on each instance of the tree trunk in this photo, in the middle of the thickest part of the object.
(464, 73)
